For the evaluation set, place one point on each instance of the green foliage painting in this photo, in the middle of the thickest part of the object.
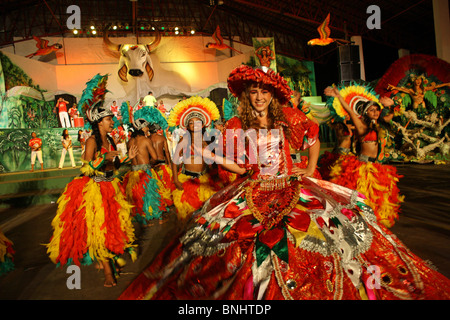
(15, 154)
(27, 108)
(300, 75)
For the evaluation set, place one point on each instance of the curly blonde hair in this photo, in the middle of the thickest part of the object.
(275, 112)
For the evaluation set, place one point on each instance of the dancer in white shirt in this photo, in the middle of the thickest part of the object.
(66, 140)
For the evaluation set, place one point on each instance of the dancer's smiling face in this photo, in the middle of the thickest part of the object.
(260, 98)
(195, 124)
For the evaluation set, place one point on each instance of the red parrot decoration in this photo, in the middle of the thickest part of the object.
(219, 42)
(324, 32)
(44, 48)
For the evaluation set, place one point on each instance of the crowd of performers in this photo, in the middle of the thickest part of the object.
(259, 221)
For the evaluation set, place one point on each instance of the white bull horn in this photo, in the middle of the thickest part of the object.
(152, 45)
(112, 46)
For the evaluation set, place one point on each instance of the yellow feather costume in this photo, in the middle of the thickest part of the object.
(92, 223)
(195, 192)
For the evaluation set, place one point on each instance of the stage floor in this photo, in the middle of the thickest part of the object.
(424, 226)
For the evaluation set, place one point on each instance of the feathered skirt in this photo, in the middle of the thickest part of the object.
(196, 190)
(164, 178)
(327, 160)
(143, 192)
(93, 222)
(378, 182)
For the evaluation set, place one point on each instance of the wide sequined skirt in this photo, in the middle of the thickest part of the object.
(311, 239)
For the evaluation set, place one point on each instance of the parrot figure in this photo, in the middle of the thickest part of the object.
(324, 32)
(43, 47)
(219, 42)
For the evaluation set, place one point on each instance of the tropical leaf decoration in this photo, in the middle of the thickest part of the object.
(22, 111)
(297, 73)
(406, 98)
(15, 146)
(431, 97)
(14, 75)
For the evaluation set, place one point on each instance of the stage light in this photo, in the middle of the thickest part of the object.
(176, 32)
(75, 31)
(92, 27)
(94, 32)
(153, 28)
(176, 28)
(142, 27)
(114, 27)
(192, 31)
(162, 28)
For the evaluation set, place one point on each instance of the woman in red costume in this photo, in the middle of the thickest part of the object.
(378, 182)
(276, 232)
(93, 221)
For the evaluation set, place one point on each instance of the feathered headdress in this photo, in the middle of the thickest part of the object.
(151, 115)
(127, 116)
(230, 108)
(90, 105)
(194, 107)
(140, 123)
(356, 96)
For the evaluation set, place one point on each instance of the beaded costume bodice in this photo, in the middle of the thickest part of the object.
(271, 191)
(270, 154)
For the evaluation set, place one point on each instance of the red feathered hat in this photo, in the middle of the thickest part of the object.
(242, 76)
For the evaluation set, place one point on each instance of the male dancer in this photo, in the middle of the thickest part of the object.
(163, 169)
(141, 189)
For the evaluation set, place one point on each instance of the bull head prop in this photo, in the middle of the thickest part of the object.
(134, 58)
